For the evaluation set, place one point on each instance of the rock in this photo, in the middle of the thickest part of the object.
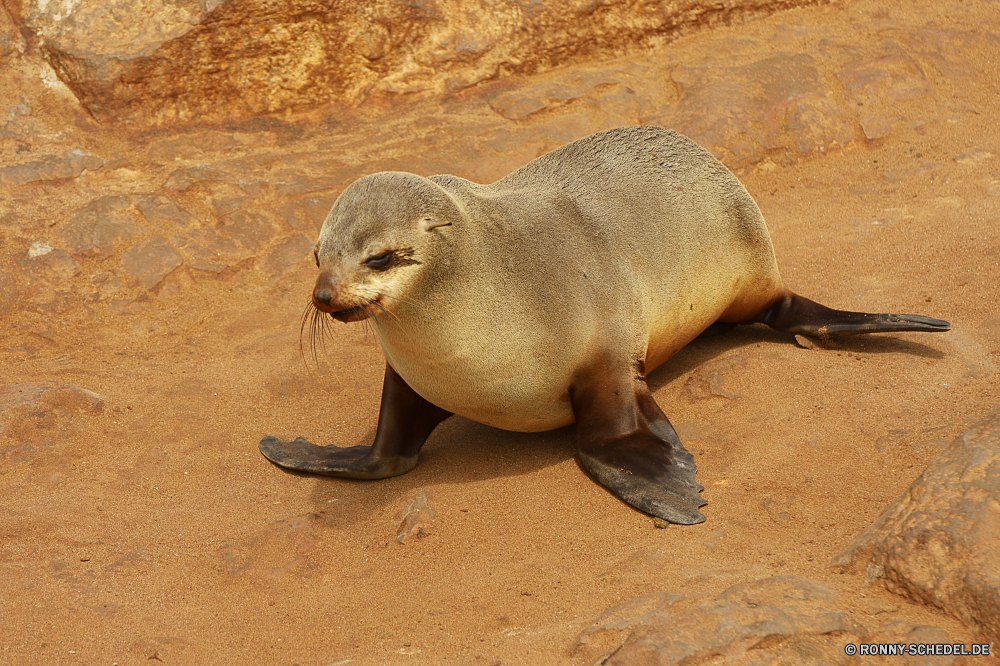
(308, 213)
(707, 380)
(280, 549)
(250, 230)
(182, 179)
(218, 189)
(780, 620)
(804, 342)
(38, 249)
(32, 415)
(150, 261)
(8, 36)
(52, 267)
(974, 157)
(877, 85)
(547, 95)
(417, 517)
(939, 542)
(208, 250)
(613, 626)
(204, 60)
(286, 256)
(161, 211)
(778, 107)
(50, 167)
(99, 224)
(12, 119)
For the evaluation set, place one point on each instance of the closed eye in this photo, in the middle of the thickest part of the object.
(379, 261)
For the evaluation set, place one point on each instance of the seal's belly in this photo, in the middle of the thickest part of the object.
(523, 384)
(532, 396)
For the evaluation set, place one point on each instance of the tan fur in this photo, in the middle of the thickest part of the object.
(627, 243)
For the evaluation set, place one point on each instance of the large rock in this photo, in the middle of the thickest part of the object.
(148, 262)
(780, 620)
(188, 59)
(939, 542)
(779, 107)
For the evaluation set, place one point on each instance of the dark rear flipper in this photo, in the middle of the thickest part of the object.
(800, 316)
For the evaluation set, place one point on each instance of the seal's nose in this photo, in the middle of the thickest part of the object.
(323, 296)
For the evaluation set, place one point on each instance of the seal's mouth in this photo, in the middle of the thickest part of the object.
(351, 314)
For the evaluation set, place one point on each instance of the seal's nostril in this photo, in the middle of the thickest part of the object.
(324, 296)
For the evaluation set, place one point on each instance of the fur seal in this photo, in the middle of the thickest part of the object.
(548, 296)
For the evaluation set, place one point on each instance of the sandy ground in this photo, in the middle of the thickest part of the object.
(156, 531)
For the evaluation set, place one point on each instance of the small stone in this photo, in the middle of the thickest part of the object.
(99, 224)
(974, 157)
(53, 267)
(804, 342)
(182, 179)
(875, 126)
(161, 211)
(707, 381)
(38, 249)
(517, 108)
(417, 517)
(249, 230)
(148, 262)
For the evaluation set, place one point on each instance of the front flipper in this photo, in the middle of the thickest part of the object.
(627, 444)
(405, 421)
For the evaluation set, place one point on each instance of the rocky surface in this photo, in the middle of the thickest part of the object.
(779, 620)
(939, 542)
(205, 60)
(218, 201)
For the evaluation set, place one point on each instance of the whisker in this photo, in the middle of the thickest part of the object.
(308, 318)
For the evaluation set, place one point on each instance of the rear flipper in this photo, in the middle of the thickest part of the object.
(628, 446)
(800, 316)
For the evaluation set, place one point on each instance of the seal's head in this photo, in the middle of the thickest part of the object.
(381, 232)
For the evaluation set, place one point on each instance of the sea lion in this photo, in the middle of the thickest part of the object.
(548, 296)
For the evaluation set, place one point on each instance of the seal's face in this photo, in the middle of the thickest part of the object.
(382, 229)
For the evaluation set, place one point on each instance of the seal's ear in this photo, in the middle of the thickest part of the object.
(427, 223)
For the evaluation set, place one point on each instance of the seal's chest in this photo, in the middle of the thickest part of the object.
(517, 390)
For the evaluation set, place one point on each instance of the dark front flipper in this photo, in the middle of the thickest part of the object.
(795, 314)
(405, 421)
(628, 445)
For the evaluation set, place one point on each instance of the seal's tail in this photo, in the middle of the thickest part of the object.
(797, 315)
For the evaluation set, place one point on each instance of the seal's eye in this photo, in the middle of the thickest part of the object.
(379, 261)
(316, 256)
